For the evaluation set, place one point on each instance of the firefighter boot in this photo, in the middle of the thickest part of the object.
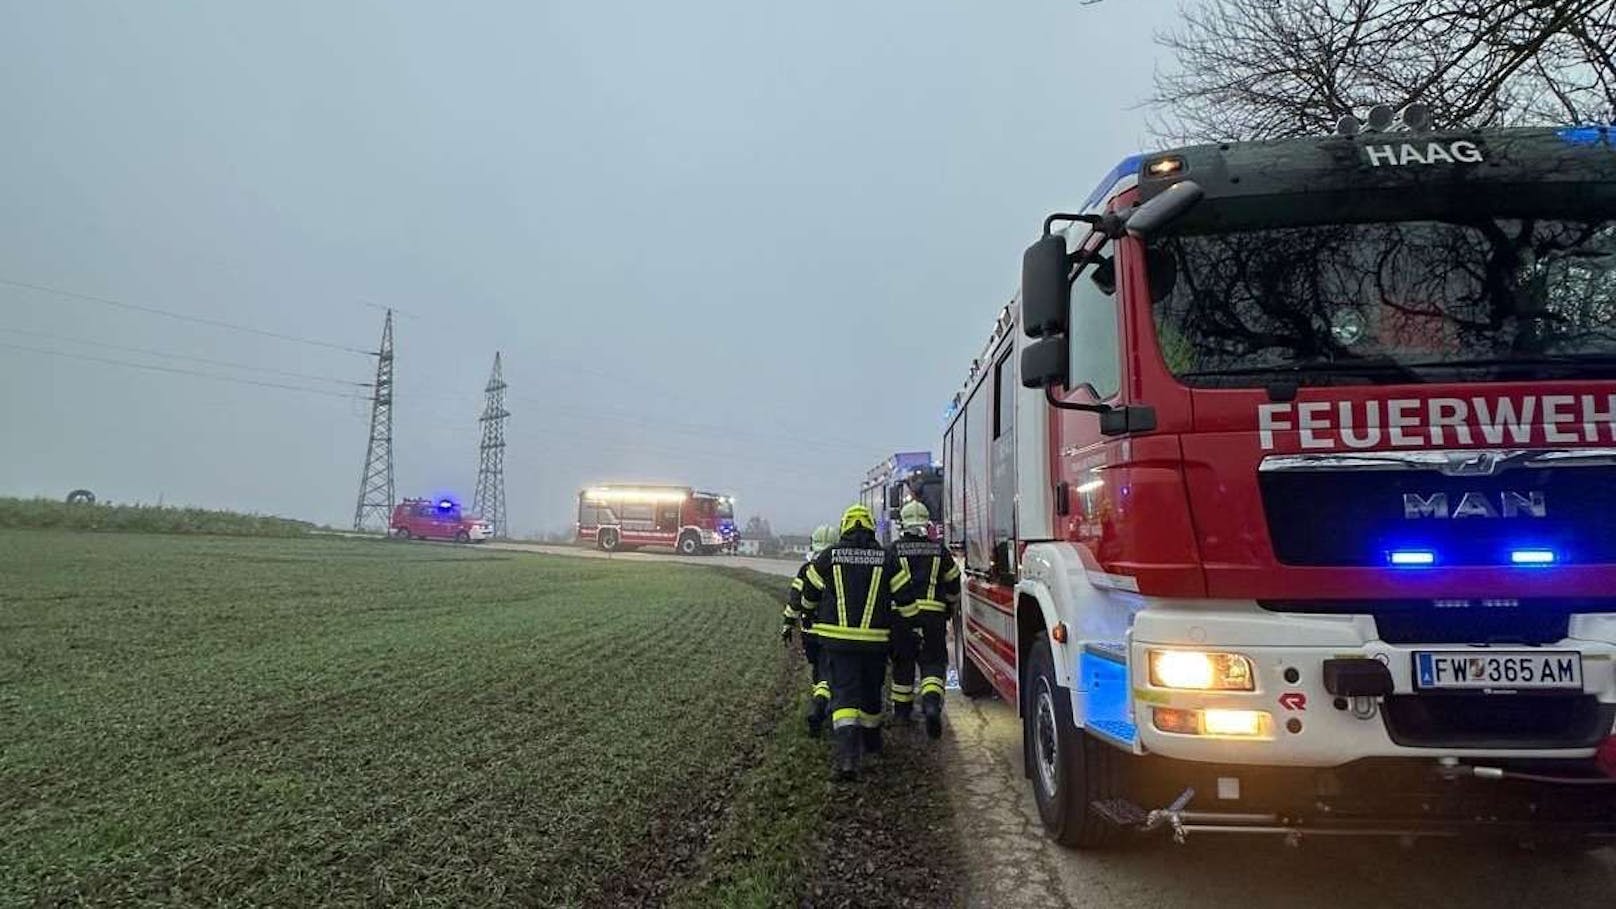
(931, 707)
(872, 739)
(847, 753)
(902, 711)
(817, 708)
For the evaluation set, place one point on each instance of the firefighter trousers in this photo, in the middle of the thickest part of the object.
(855, 675)
(919, 642)
(812, 653)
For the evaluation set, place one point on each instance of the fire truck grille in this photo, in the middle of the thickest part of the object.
(1360, 517)
(1471, 720)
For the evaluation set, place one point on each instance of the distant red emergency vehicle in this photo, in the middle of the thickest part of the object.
(678, 517)
(424, 519)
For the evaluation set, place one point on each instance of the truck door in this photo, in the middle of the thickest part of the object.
(667, 521)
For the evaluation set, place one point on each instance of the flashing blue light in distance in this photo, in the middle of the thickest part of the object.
(445, 504)
(1532, 557)
(1587, 135)
(1411, 558)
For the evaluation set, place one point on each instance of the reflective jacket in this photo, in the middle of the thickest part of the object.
(851, 592)
(794, 611)
(934, 576)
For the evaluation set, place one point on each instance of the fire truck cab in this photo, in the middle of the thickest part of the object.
(906, 476)
(426, 519)
(677, 517)
(1286, 492)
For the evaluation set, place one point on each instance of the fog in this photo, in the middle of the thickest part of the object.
(750, 247)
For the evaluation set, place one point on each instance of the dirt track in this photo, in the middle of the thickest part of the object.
(781, 567)
(1013, 865)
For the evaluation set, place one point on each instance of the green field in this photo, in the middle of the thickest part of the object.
(51, 514)
(324, 721)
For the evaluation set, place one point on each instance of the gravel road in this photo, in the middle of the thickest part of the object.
(1012, 865)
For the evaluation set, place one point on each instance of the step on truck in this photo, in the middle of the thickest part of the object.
(1286, 490)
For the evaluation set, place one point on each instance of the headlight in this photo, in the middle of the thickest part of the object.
(1199, 670)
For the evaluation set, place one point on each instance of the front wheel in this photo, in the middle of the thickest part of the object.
(1070, 769)
(690, 545)
(462, 537)
(401, 533)
(607, 540)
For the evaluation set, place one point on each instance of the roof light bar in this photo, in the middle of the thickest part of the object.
(1411, 558)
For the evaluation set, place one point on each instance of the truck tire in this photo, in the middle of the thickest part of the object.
(462, 537)
(1070, 769)
(690, 545)
(401, 533)
(973, 682)
(607, 540)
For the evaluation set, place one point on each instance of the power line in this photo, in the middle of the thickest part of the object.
(177, 371)
(200, 320)
(177, 356)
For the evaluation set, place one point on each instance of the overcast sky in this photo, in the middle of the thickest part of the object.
(746, 245)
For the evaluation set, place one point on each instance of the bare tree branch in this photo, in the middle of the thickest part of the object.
(1261, 69)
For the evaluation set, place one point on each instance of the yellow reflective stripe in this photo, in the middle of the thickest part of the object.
(869, 720)
(901, 579)
(813, 579)
(844, 716)
(930, 606)
(931, 685)
(952, 572)
(796, 583)
(931, 583)
(821, 689)
(841, 595)
(788, 612)
(909, 611)
(869, 599)
(902, 689)
(907, 697)
(844, 633)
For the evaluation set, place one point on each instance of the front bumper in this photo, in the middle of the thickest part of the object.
(1308, 726)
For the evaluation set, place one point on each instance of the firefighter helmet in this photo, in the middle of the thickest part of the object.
(824, 537)
(914, 517)
(857, 516)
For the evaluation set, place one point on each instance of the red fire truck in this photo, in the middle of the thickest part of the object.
(1286, 488)
(677, 517)
(425, 519)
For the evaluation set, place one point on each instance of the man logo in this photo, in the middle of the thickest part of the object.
(1475, 505)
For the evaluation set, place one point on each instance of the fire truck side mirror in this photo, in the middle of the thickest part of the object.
(1043, 362)
(1046, 287)
(1164, 209)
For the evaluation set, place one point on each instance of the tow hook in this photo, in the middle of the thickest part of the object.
(1170, 815)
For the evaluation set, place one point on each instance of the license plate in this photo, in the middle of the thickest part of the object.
(1511, 669)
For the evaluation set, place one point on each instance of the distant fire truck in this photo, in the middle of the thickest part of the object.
(893, 481)
(678, 517)
(427, 519)
(1285, 489)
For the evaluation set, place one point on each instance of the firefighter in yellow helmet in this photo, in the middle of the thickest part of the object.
(920, 635)
(852, 590)
(797, 619)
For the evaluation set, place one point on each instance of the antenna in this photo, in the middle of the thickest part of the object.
(376, 483)
(489, 500)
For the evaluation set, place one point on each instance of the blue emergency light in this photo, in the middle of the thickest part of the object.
(1411, 558)
(1532, 557)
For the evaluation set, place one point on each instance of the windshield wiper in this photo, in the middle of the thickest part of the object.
(1536, 359)
(1385, 370)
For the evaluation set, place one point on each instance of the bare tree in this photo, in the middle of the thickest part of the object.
(1262, 69)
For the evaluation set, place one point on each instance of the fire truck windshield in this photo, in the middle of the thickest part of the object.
(1388, 302)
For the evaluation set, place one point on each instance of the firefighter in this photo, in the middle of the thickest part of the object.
(920, 635)
(796, 620)
(852, 590)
